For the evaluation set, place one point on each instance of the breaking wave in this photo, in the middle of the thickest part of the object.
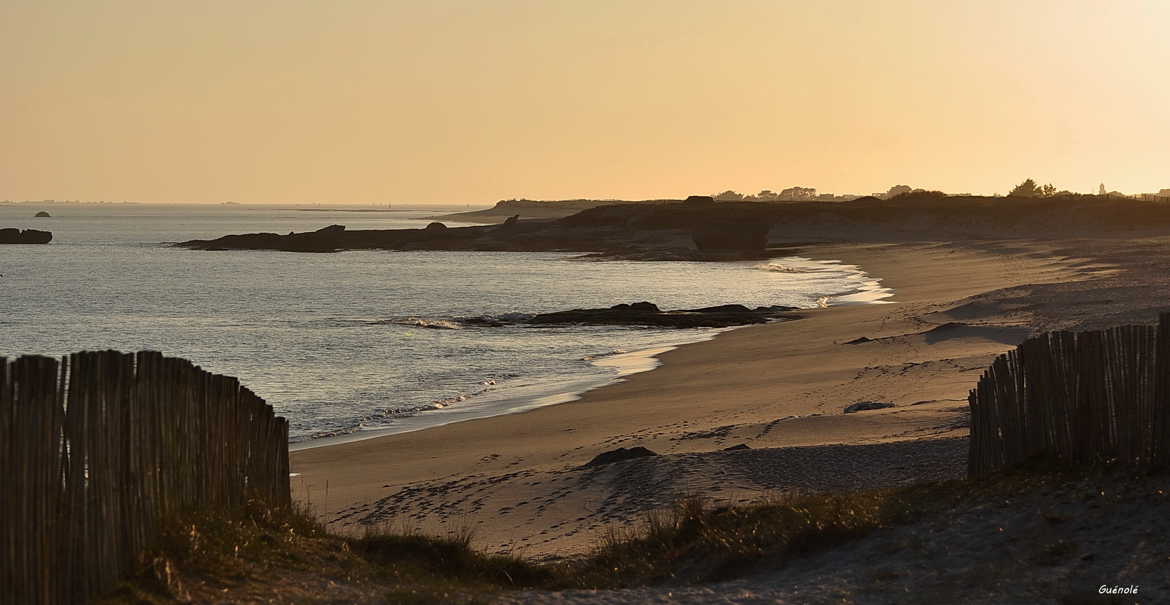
(420, 322)
(778, 268)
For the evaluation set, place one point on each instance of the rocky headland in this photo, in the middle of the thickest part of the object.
(701, 229)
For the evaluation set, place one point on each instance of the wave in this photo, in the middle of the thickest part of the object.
(381, 417)
(455, 323)
(496, 320)
(778, 268)
(597, 356)
(420, 322)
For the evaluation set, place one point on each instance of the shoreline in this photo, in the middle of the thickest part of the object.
(560, 390)
(520, 479)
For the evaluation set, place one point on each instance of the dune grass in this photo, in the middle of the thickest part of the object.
(287, 553)
(696, 542)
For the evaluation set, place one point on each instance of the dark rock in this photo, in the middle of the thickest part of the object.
(862, 406)
(620, 454)
(722, 309)
(42, 214)
(699, 200)
(436, 227)
(32, 236)
(736, 448)
(642, 307)
(482, 321)
(857, 341)
(28, 236)
(775, 309)
(648, 314)
(331, 230)
(512, 220)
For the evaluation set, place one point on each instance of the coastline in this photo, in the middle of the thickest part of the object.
(556, 390)
(775, 387)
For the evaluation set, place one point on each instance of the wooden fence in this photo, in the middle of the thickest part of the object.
(1074, 399)
(97, 450)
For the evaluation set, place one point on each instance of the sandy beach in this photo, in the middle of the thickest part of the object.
(781, 389)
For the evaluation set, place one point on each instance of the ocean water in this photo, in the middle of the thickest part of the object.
(360, 342)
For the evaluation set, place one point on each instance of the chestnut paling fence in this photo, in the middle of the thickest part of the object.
(1074, 399)
(99, 449)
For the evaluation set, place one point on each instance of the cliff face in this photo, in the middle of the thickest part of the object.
(28, 236)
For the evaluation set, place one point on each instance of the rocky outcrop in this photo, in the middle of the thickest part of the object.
(28, 236)
(42, 214)
(648, 314)
(620, 454)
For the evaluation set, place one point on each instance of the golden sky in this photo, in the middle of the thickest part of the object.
(364, 101)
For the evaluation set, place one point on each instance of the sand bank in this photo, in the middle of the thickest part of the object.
(518, 479)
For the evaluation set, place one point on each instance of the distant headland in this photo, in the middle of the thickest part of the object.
(702, 228)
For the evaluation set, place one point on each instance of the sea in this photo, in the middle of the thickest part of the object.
(362, 343)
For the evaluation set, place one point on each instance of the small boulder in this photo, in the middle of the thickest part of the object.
(862, 406)
(620, 454)
(736, 448)
(857, 341)
(436, 226)
(42, 214)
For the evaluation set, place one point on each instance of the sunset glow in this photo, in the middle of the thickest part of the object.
(469, 102)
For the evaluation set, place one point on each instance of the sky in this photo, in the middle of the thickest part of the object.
(378, 101)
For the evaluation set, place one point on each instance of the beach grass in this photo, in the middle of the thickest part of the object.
(692, 541)
(288, 556)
